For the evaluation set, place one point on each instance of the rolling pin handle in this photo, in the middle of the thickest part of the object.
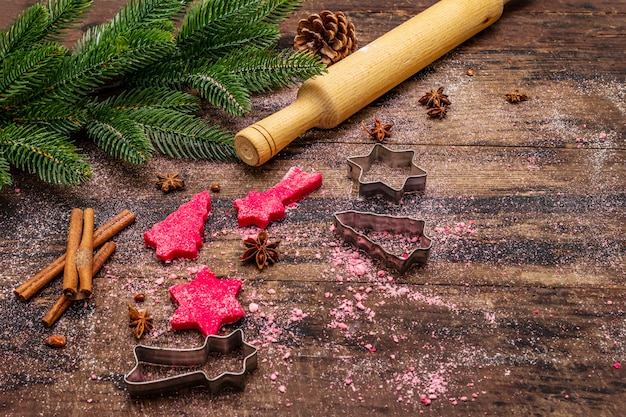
(259, 142)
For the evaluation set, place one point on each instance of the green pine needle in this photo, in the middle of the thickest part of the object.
(118, 135)
(220, 88)
(265, 70)
(112, 58)
(51, 156)
(259, 35)
(27, 29)
(126, 83)
(26, 72)
(180, 135)
(155, 98)
(5, 175)
(64, 14)
(137, 14)
(55, 116)
(221, 16)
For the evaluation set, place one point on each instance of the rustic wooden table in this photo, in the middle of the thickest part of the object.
(519, 311)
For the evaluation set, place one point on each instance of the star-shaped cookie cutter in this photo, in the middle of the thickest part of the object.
(348, 223)
(358, 165)
(138, 386)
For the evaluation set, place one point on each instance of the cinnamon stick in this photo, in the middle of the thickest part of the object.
(70, 272)
(113, 227)
(84, 256)
(31, 286)
(64, 302)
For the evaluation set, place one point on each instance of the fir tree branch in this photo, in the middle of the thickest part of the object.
(137, 14)
(52, 157)
(180, 135)
(5, 174)
(62, 117)
(155, 98)
(27, 29)
(85, 72)
(118, 135)
(64, 14)
(220, 88)
(264, 70)
(26, 72)
(221, 42)
(223, 51)
(208, 17)
(217, 27)
(275, 11)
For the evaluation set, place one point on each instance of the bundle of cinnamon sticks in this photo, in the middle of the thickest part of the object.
(78, 263)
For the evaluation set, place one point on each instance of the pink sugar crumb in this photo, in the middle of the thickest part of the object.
(297, 315)
(371, 348)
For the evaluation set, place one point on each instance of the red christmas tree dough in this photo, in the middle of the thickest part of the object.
(260, 209)
(206, 303)
(180, 234)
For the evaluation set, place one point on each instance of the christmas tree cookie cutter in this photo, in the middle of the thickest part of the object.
(138, 385)
(358, 165)
(348, 226)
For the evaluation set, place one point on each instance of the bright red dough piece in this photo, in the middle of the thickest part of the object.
(260, 209)
(296, 185)
(206, 303)
(180, 234)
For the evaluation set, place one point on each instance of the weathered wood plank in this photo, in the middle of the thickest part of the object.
(525, 311)
(451, 341)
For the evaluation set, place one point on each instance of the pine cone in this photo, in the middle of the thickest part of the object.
(327, 34)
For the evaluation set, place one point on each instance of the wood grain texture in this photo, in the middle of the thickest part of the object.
(519, 311)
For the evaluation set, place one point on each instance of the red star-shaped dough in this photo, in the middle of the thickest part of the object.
(260, 209)
(206, 303)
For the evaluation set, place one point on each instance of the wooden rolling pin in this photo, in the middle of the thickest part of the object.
(360, 78)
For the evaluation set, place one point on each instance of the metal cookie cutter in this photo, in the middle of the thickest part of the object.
(357, 165)
(139, 387)
(348, 222)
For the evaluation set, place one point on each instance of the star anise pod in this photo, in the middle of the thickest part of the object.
(380, 131)
(435, 98)
(170, 181)
(516, 97)
(437, 112)
(140, 320)
(260, 250)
